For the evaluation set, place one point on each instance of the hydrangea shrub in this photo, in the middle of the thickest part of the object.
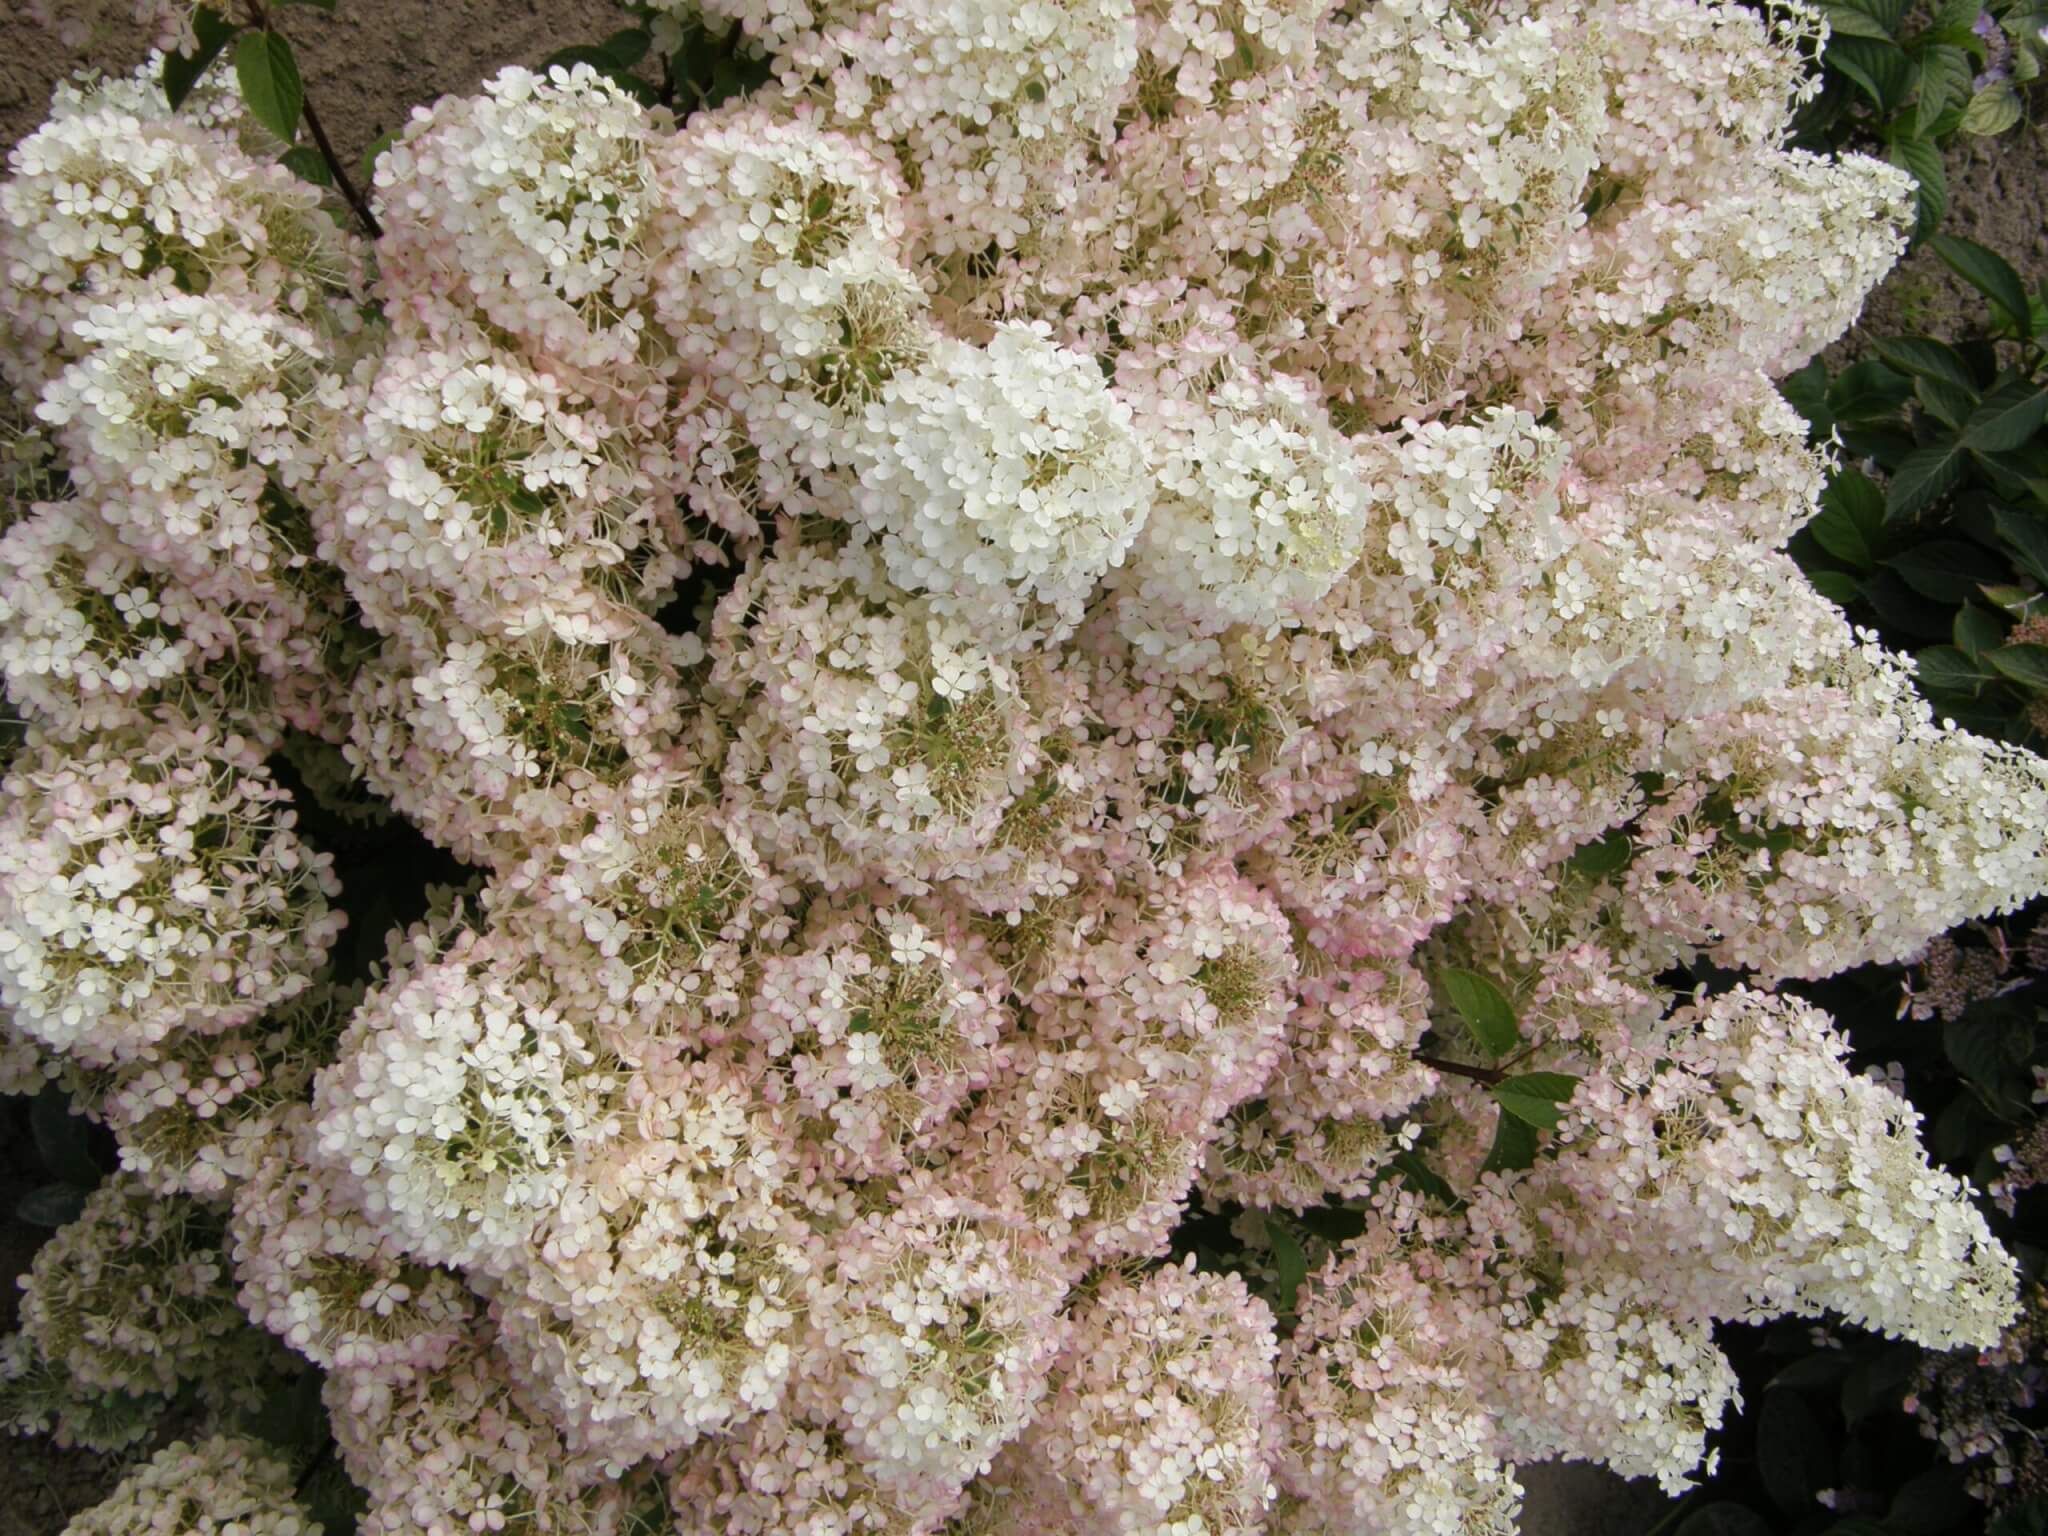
(1097, 660)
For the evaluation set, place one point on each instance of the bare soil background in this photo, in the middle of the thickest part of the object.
(370, 63)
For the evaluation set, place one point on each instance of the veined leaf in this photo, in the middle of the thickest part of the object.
(1484, 1008)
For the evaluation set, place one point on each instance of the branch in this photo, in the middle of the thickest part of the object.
(1485, 1075)
(259, 17)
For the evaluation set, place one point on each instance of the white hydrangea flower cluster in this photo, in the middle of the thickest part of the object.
(223, 1486)
(1005, 621)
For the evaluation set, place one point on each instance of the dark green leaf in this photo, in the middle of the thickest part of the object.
(182, 70)
(626, 48)
(1807, 393)
(1424, 1179)
(1792, 1451)
(1977, 630)
(1841, 530)
(1933, 1504)
(61, 1141)
(378, 145)
(1921, 159)
(1288, 1259)
(1536, 1098)
(1606, 857)
(1955, 13)
(1847, 21)
(2027, 539)
(1868, 392)
(1822, 1368)
(1514, 1145)
(1891, 13)
(1946, 669)
(1878, 1384)
(1484, 1008)
(1975, 1045)
(1947, 570)
(1879, 69)
(2026, 664)
(1941, 78)
(2006, 421)
(1838, 587)
(1927, 475)
(1948, 403)
(308, 164)
(54, 1205)
(2027, 1519)
(269, 77)
(1723, 1519)
(1925, 358)
(1985, 270)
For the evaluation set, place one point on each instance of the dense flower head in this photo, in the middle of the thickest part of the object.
(151, 881)
(1039, 632)
(223, 1486)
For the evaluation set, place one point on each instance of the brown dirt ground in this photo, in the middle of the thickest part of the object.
(369, 63)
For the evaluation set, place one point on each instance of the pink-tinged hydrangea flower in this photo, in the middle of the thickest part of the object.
(458, 1100)
(329, 1282)
(933, 1330)
(661, 1300)
(151, 881)
(1163, 1417)
(223, 1486)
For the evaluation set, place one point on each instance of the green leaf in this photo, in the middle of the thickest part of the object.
(1921, 159)
(269, 76)
(382, 142)
(181, 71)
(1947, 403)
(1838, 534)
(1927, 475)
(1514, 1145)
(60, 1138)
(1847, 21)
(1977, 630)
(1793, 1456)
(2006, 420)
(1942, 76)
(1955, 14)
(1868, 392)
(1289, 1260)
(1608, 856)
(1947, 570)
(308, 164)
(2026, 664)
(1986, 271)
(1947, 669)
(1484, 1008)
(1992, 110)
(1822, 1368)
(627, 47)
(2027, 539)
(1877, 68)
(1724, 1518)
(2026, 1519)
(1424, 1179)
(1851, 518)
(53, 1205)
(1838, 587)
(1806, 391)
(1923, 358)
(1536, 1098)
